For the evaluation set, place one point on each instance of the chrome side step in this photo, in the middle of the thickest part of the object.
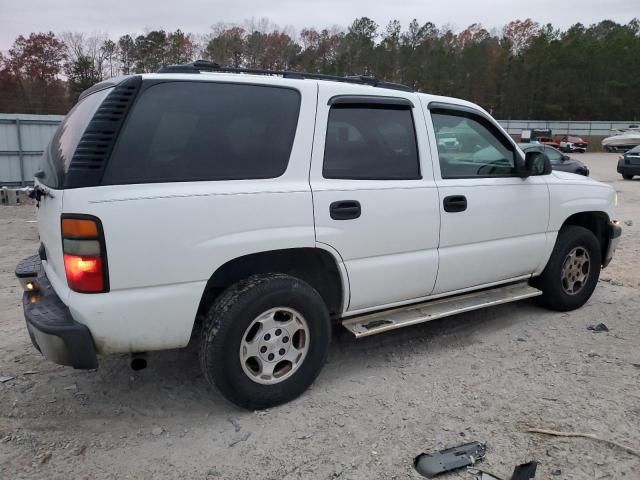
(379, 322)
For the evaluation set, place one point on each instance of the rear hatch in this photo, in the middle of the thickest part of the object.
(51, 178)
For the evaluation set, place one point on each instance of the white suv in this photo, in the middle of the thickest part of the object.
(268, 207)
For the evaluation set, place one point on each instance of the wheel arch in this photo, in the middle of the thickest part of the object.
(595, 221)
(319, 267)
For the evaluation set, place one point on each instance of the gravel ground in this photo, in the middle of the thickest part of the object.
(485, 375)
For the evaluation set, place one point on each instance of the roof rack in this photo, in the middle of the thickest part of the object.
(206, 66)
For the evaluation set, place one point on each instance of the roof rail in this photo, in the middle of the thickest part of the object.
(206, 66)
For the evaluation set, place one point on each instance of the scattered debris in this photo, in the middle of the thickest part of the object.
(30, 372)
(235, 424)
(555, 433)
(46, 457)
(6, 379)
(244, 438)
(628, 223)
(157, 431)
(431, 464)
(71, 387)
(556, 471)
(601, 327)
(79, 450)
(520, 339)
(525, 471)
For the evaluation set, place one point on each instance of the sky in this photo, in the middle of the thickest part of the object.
(116, 17)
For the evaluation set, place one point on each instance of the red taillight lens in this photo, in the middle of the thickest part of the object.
(84, 274)
(84, 254)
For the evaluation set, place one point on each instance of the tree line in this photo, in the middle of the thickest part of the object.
(524, 70)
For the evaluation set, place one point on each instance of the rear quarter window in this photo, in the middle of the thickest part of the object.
(195, 131)
(57, 156)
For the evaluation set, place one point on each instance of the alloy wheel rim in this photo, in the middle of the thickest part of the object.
(274, 345)
(575, 270)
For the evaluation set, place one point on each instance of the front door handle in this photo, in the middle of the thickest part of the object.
(345, 210)
(455, 203)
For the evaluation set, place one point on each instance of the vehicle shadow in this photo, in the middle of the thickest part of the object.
(173, 384)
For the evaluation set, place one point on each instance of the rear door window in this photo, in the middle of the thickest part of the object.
(193, 131)
(371, 143)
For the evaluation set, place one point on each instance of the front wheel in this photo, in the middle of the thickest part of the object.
(572, 272)
(265, 340)
(626, 176)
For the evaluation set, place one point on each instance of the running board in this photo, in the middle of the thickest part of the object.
(379, 322)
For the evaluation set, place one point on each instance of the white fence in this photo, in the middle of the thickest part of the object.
(23, 138)
(580, 129)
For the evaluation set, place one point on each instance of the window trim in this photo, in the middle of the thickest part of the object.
(370, 100)
(377, 106)
(486, 121)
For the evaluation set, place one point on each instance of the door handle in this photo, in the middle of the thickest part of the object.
(455, 203)
(345, 210)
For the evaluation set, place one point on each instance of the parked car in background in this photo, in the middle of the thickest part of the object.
(543, 136)
(549, 141)
(570, 144)
(629, 163)
(559, 161)
(448, 141)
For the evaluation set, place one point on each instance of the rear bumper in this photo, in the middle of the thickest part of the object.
(615, 231)
(52, 329)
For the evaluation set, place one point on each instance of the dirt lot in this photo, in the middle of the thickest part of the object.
(485, 376)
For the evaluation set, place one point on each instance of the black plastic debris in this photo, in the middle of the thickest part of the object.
(526, 471)
(556, 472)
(601, 327)
(431, 464)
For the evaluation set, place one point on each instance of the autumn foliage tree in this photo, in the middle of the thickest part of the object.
(523, 70)
(31, 74)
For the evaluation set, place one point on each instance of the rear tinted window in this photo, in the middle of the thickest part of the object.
(190, 131)
(57, 156)
(371, 143)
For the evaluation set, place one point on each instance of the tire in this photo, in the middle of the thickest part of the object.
(239, 321)
(627, 176)
(556, 289)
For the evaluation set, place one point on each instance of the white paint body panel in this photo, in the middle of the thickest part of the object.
(164, 241)
(390, 252)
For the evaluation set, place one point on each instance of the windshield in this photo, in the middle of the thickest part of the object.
(57, 156)
(634, 150)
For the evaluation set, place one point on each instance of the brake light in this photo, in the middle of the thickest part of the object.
(84, 254)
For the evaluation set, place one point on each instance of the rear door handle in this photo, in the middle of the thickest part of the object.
(455, 203)
(345, 210)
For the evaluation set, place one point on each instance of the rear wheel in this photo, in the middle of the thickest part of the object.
(627, 176)
(265, 340)
(572, 272)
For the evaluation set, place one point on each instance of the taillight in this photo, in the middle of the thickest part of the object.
(85, 256)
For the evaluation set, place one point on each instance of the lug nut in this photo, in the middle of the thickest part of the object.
(281, 352)
(285, 339)
(278, 332)
(263, 349)
(267, 337)
(271, 356)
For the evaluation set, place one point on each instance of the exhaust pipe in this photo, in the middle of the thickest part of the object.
(138, 361)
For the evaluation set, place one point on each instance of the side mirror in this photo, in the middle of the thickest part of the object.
(565, 158)
(536, 163)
